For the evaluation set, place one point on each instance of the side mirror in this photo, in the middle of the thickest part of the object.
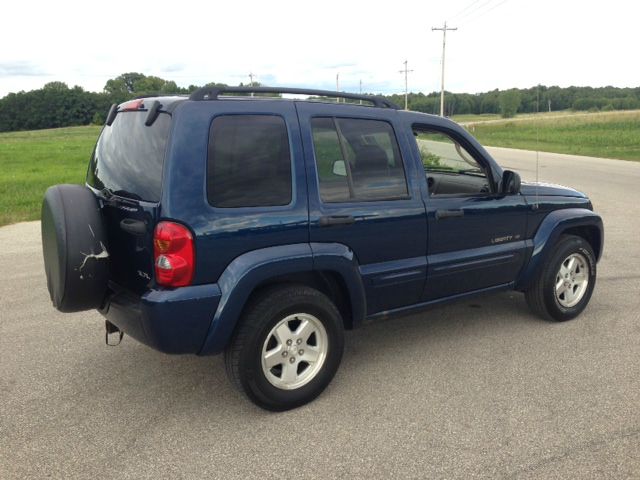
(339, 168)
(510, 183)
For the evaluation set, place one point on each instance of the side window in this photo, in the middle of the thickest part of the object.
(357, 160)
(449, 168)
(249, 163)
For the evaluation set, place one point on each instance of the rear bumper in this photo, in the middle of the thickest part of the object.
(171, 321)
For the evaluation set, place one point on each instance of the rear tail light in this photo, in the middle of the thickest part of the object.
(174, 254)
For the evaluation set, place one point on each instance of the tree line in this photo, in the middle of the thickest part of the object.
(528, 100)
(56, 105)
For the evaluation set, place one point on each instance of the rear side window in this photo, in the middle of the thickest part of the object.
(249, 164)
(129, 156)
(357, 160)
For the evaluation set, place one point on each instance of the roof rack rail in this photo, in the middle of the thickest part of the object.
(212, 93)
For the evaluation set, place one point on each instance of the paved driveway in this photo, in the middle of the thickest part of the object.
(478, 389)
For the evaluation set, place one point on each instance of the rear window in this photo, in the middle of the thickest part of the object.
(357, 160)
(129, 156)
(249, 162)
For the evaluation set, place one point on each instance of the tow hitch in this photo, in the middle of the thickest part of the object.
(111, 329)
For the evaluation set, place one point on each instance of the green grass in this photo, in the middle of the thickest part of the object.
(475, 118)
(608, 135)
(32, 161)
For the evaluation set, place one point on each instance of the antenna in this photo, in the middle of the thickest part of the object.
(536, 204)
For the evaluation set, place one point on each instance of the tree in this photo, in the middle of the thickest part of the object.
(509, 103)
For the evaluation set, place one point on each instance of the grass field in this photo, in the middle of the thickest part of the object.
(608, 135)
(32, 161)
(475, 118)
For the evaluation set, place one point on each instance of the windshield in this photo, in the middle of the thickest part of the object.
(129, 157)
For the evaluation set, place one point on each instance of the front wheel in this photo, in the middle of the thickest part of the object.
(287, 348)
(565, 284)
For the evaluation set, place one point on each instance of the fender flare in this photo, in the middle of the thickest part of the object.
(251, 269)
(548, 233)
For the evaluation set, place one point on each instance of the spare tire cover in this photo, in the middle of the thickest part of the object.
(74, 246)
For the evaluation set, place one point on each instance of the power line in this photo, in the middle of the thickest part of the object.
(406, 72)
(475, 10)
(486, 11)
(464, 9)
(444, 43)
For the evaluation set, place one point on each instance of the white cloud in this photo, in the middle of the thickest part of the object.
(501, 45)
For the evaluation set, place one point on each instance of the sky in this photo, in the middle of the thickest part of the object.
(499, 43)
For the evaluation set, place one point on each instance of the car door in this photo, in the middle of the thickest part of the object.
(363, 194)
(476, 233)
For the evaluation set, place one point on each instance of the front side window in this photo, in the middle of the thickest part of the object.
(357, 160)
(249, 162)
(449, 167)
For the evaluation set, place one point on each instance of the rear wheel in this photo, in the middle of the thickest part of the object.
(287, 348)
(565, 284)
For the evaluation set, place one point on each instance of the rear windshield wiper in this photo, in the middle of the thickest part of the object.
(109, 193)
(106, 192)
(126, 194)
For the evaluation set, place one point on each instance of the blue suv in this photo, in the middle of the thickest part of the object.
(239, 221)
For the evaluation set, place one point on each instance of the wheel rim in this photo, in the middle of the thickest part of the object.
(294, 351)
(572, 280)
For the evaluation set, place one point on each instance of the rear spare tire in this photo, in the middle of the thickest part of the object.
(74, 247)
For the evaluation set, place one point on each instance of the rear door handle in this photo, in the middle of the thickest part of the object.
(134, 227)
(330, 220)
(449, 214)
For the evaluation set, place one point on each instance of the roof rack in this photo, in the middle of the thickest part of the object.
(212, 93)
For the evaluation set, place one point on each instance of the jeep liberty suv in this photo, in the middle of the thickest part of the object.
(263, 227)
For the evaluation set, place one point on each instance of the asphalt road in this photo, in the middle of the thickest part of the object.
(480, 389)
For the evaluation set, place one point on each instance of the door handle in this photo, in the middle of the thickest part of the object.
(449, 214)
(330, 220)
(134, 227)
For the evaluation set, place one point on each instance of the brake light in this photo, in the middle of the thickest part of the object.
(132, 105)
(174, 254)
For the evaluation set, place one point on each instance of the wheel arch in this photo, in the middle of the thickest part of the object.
(332, 271)
(572, 221)
(591, 234)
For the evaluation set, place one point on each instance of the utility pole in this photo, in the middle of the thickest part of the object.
(338, 86)
(444, 42)
(406, 72)
(251, 75)
(360, 91)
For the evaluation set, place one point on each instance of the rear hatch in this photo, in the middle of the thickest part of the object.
(126, 172)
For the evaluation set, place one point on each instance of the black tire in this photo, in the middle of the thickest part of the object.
(243, 357)
(74, 247)
(542, 298)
